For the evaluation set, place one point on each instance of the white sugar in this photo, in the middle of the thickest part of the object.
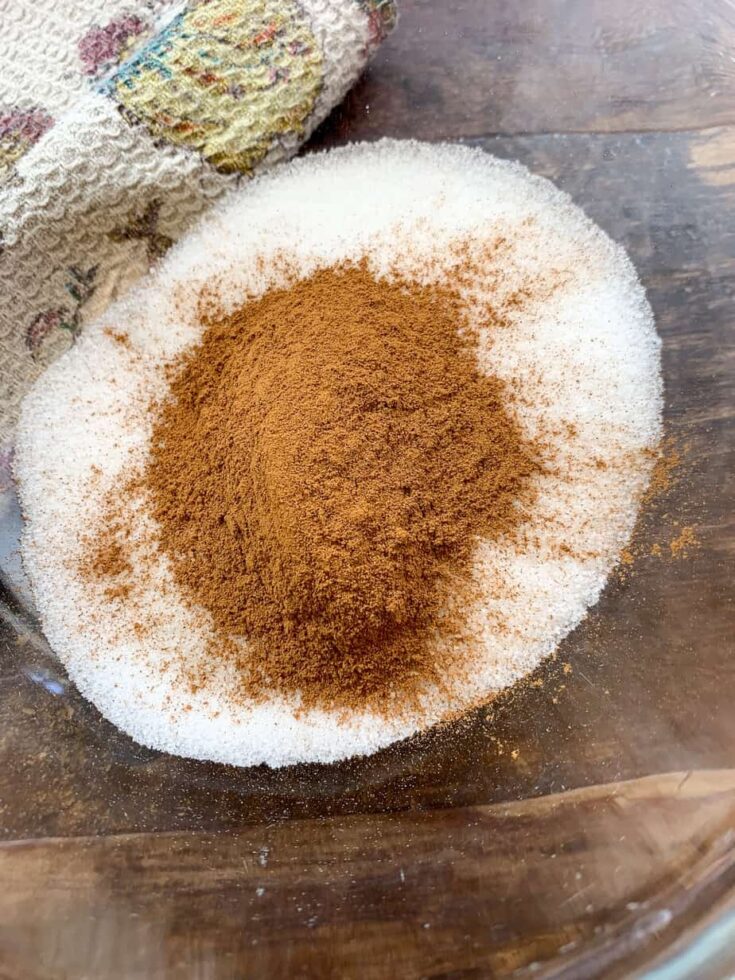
(581, 356)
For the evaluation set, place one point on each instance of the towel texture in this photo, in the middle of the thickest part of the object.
(120, 121)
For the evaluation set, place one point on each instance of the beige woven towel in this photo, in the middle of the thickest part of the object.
(120, 121)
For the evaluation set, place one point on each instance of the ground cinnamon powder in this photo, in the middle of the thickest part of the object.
(109, 560)
(326, 461)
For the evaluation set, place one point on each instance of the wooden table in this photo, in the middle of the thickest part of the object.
(584, 825)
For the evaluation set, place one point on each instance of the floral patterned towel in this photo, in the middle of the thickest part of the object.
(121, 119)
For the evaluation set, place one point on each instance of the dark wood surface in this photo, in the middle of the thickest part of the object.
(120, 862)
(459, 892)
(467, 68)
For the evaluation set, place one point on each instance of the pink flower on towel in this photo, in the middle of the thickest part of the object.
(103, 47)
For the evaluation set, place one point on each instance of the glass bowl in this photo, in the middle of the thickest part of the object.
(581, 825)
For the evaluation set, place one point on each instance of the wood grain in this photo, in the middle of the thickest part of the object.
(482, 67)
(454, 891)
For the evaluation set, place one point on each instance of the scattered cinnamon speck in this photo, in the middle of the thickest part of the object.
(668, 461)
(684, 542)
(119, 337)
(118, 591)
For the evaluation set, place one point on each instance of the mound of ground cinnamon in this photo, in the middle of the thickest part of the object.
(326, 461)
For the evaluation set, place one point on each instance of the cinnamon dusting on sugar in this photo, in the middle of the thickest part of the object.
(327, 459)
(560, 319)
(119, 337)
(394, 656)
(107, 559)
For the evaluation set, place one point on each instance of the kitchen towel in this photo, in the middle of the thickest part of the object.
(120, 121)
